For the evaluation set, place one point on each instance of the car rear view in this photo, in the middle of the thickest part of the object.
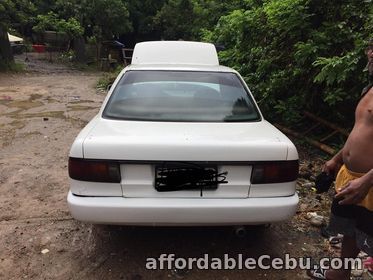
(179, 140)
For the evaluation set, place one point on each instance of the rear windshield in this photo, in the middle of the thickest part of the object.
(181, 96)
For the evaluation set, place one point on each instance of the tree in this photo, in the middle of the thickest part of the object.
(51, 22)
(298, 54)
(16, 14)
(188, 19)
(107, 18)
(175, 20)
(6, 55)
(102, 18)
(70, 27)
(141, 15)
(22, 16)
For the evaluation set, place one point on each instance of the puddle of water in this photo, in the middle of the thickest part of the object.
(35, 96)
(24, 104)
(77, 122)
(7, 90)
(27, 134)
(17, 124)
(51, 114)
(13, 113)
(75, 99)
(79, 108)
(5, 101)
(51, 99)
(84, 101)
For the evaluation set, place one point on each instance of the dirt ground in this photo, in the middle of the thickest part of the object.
(41, 111)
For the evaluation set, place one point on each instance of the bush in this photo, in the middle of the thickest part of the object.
(298, 55)
(108, 78)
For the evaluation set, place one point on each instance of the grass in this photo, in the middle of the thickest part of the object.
(108, 78)
(11, 67)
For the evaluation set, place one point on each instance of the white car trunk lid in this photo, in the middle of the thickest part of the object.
(178, 141)
(147, 143)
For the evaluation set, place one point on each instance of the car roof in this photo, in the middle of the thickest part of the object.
(175, 53)
(179, 67)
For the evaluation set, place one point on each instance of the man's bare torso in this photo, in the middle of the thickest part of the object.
(358, 150)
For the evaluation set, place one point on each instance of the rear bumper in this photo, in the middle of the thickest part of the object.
(179, 211)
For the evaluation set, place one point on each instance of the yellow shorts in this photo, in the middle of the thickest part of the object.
(344, 177)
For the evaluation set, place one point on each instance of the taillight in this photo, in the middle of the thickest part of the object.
(94, 170)
(275, 172)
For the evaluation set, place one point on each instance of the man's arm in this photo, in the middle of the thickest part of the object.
(333, 165)
(369, 178)
(356, 190)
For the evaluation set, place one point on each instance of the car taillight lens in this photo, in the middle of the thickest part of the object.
(275, 172)
(94, 170)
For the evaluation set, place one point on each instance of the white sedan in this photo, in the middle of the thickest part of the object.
(180, 140)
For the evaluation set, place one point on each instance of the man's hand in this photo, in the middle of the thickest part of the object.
(332, 167)
(354, 192)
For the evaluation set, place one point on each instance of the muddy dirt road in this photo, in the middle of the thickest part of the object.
(41, 112)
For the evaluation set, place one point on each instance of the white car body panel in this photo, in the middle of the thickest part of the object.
(140, 140)
(238, 185)
(138, 146)
(77, 148)
(95, 188)
(175, 52)
(272, 190)
(138, 181)
(181, 211)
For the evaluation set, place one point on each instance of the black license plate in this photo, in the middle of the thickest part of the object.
(176, 177)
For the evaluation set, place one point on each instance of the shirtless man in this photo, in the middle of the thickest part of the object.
(352, 209)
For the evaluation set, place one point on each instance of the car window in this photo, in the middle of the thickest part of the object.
(180, 96)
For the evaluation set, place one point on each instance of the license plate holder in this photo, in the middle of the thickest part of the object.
(185, 176)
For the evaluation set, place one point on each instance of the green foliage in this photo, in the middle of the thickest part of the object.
(108, 78)
(51, 22)
(295, 55)
(175, 19)
(335, 72)
(107, 18)
(100, 18)
(15, 15)
(67, 56)
(142, 14)
(16, 11)
(7, 8)
(189, 19)
(335, 69)
(12, 67)
(298, 54)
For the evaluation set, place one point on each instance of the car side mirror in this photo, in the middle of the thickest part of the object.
(108, 87)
